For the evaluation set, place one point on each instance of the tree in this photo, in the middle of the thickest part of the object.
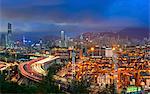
(78, 87)
(10, 87)
(109, 89)
(48, 84)
(44, 87)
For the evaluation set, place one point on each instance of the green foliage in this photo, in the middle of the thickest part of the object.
(9, 87)
(48, 84)
(44, 87)
(79, 87)
(110, 89)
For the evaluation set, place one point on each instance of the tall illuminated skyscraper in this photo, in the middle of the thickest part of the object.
(62, 39)
(81, 46)
(66, 41)
(9, 36)
(62, 35)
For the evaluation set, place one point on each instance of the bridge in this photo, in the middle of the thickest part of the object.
(36, 68)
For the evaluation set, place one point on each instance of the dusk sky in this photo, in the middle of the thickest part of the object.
(73, 15)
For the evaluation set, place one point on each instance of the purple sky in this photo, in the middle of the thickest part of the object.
(73, 16)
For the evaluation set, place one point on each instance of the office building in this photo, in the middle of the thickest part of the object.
(62, 39)
(108, 52)
(9, 42)
(3, 40)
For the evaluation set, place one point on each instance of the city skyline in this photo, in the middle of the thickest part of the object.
(75, 46)
(73, 16)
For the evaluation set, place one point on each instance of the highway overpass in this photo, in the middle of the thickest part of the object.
(36, 68)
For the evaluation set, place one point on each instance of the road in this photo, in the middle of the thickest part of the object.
(4, 65)
(33, 69)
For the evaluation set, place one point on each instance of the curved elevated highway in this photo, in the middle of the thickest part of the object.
(34, 69)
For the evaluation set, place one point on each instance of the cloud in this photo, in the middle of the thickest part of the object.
(28, 3)
(73, 15)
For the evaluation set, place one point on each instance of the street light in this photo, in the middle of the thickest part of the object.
(92, 49)
(113, 48)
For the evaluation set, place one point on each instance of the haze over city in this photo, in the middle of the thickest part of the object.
(73, 16)
(75, 46)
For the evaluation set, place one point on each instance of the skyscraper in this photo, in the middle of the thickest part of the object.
(81, 37)
(9, 28)
(62, 39)
(62, 35)
(81, 44)
(9, 36)
(41, 43)
(3, 40)
(66, 41)
(73, 63)
(23, 40)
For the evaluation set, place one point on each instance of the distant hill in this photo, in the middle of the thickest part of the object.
(138, 33)
(131, 33)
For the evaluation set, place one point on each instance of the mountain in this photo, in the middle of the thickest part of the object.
(130, 33)
(136, 33)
